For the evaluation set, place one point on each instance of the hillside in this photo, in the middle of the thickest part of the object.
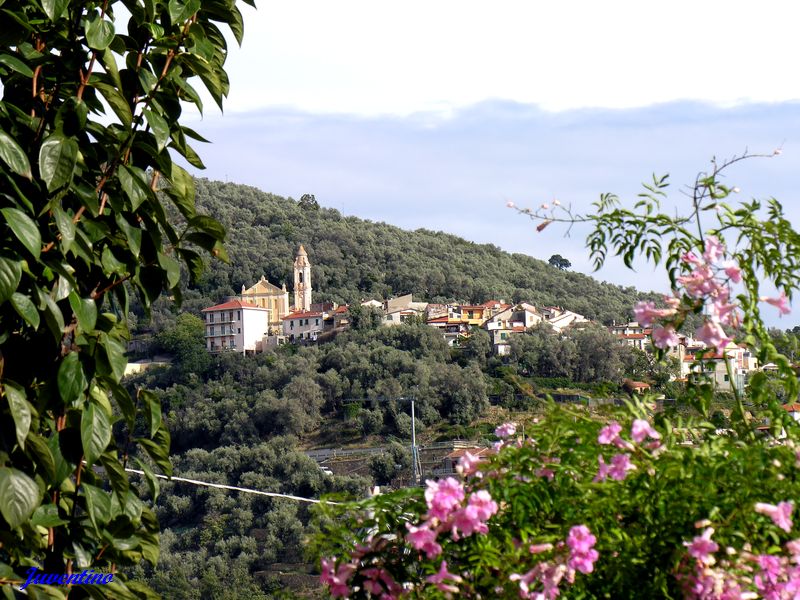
(354, 258)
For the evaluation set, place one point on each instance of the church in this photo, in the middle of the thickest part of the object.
(276, 299)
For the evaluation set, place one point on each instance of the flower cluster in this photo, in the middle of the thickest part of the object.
(742, 575)
(576, 555)
(621, 463)
(708, 282)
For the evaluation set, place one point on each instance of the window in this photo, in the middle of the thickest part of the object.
(240, 330)
(503, 336)
(231, 316)
(301, 277)
(727, 378)
(238, 315)
(316, 321)
(291, 324)
(210, 317)
(211, 330)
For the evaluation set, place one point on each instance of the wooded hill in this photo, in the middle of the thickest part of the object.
(354, 259)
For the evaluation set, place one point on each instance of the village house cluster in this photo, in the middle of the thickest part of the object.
(261, 317)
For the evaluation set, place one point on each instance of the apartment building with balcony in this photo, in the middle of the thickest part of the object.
(235, 325)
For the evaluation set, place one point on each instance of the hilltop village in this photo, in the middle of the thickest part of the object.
(261, 318)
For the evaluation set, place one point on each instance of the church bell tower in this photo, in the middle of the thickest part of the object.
(302, 281)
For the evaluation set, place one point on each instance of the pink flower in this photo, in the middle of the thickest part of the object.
(665, 337)
(580, 539)
(712, 334)
(510, 204)
(443, 575)
(781, 515)
(603, 470)
(781, 303)
(582, 554)
(700, 283)
(443, 497)
(424, 539)
(641, 429)
(691, 258)
(702, 548)
(337, 581)
(609, 434)
(483, 503)
(732, 270)
(540, 548)
(468, 464)
(646, 313)
(620, 465)
(672, 302)
(714, 249)
(506, 430)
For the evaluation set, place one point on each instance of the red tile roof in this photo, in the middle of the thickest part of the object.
(795, 407)
(341, 309)
(438, 320)
(302, 315)
(232, 304)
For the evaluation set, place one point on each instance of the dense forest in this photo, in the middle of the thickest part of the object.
(353, 259)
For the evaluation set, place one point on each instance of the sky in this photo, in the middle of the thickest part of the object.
(437, 114)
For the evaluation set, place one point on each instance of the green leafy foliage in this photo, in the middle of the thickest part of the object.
(85, 227)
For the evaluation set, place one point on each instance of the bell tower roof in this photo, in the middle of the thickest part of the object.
(302, 251)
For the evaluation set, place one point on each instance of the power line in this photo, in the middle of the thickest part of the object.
(235, 488)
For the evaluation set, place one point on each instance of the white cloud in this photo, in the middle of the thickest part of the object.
(367, 57)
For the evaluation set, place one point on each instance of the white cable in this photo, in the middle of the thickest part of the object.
(232, 487)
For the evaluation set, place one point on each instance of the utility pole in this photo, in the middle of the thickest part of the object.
(414, 442)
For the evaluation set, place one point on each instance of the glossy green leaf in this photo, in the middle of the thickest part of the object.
(133, 186)
(116, 101)
(65, 227)
(85, 311)
(132, 233)
(19, 496)
(171, 267)
(54, 9)
(115, 473)
(158, 449)
(10, 275)
(95, 432)
(53, 317)
(57, 157)
(15, 64)
(152, 481)
(180, 11)
(115, 352)
(25, 309)
(71, 380)
(159, 127)
(14, 156)
(24, 229)
(20, 410)
(98, 504)
(152, 409)
(182, 191)
(99, 33)
(36, 448)
(47, 516)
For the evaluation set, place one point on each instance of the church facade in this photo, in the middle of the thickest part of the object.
(276, 299)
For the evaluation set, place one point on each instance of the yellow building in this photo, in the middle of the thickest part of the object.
(265, 295)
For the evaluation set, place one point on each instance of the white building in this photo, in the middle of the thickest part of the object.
(303, 325)
(235, 325)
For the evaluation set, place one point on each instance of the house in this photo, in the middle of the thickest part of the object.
(726, 370)
(402, 309)
(235, 325)
(560, 319)
(452, 331)
(303, 325)
(501, 327)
